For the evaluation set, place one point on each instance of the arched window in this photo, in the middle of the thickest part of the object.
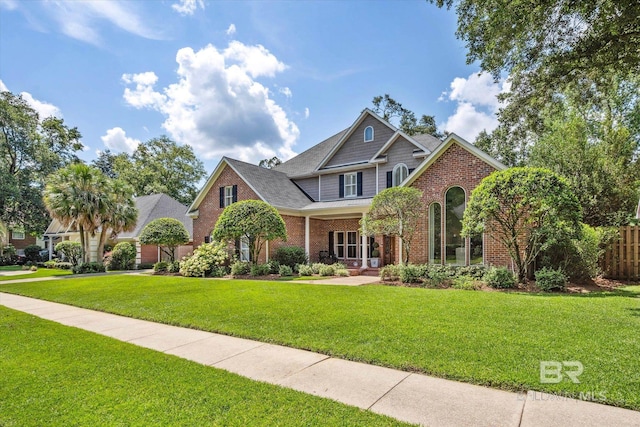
(400, 173)
(455, 248)
(368, 134)
(435, 233)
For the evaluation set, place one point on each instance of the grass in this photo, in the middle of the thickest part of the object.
(10, 267)
(489, 338)
(55, 375)
(42, 272)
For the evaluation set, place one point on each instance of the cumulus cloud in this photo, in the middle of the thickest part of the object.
(117, 140)
(187, 7)
(477, 104)
(217, 105)
(285, 91)
(231, 30)
(43, 108)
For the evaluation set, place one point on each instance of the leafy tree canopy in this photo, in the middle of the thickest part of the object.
(165, 232)
(395, 211)
(390, 109)
(30, 150)
(270, 163)
(254, 220)
(524, 209)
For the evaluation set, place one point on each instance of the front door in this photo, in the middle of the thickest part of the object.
(389, 250)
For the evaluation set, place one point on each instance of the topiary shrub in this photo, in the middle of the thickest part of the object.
(71, 251)
(206, 260)
(305, 270)
(123, 257)
(500, 278)
(89, 268)
(549, 280)
(240, 268)
(285, 270)
(290, 256)
(160, 267)
(260, 269)
(32, 253)
(327, 270)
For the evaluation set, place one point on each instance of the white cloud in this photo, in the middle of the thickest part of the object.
(231, 30)
(187, 7)
(477, 104)
(217, 105)
(306, 113)
(80, 19)
(9, 4)
(285, 91)
(116, 139)
(44, 109)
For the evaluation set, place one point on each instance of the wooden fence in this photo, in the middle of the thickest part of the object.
(622, 258)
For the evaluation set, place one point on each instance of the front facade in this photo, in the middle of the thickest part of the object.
(324, 192)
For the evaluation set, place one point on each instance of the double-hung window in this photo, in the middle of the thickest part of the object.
(245, 255)
(352, 244)
(228, 195)
(350, 184)
(340, 244)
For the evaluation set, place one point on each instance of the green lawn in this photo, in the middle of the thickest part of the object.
(42, 272)
(53, 375)
(489, 338)
(10, 267)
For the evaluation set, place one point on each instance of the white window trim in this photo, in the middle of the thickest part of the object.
(17, 235)
(372, 134)
(352, 186)
(245, 254)
(395, 169)
(345, 245)
(228, 195)
(338, 244)
(351, 245)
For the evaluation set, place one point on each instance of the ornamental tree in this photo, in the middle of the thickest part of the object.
(166, 233)
(254, 220)
(395, 212)
(524, 209)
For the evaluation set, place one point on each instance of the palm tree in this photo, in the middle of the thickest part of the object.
(75, 195)
(120, 213)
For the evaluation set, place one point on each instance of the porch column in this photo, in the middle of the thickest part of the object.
(306, 236)
(266, 247)
(138, 252)
(363, 252)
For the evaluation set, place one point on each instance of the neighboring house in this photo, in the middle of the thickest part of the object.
(324, 192)
(149, 208)
(20, 240)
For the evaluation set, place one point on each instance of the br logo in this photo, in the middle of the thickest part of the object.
(552, 372)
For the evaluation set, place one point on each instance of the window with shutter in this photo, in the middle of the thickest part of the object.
(350, 184)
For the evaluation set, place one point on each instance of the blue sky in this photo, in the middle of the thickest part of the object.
(243, 79)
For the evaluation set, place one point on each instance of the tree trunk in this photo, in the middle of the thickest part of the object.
(82, 243)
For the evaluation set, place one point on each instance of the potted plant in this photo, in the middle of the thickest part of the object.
(375, 254)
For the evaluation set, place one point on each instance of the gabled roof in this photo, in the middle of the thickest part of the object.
(158, 206)
(440, 149)
(305, 163)
(272, 186)
(395, 137)
(365, 113)
(428, 141)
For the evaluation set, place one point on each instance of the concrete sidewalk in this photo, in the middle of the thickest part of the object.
(406, 396)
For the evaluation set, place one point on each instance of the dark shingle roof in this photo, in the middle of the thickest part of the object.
(158, 206)
(430, 142)
(306, 162)
(273, 186)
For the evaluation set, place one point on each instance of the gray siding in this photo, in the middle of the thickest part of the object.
(355, 149)
(309, 186)
(401, 151)
(330, 184)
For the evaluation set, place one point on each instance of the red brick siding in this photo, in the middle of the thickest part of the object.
(148, 254)
(22, 243)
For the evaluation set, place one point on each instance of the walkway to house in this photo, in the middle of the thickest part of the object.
(406, 396)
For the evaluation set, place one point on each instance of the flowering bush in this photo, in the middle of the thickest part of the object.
(207, 260)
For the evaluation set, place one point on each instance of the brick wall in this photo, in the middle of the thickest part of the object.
(20, 244)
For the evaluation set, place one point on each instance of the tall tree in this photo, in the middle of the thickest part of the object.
(118, 213)
(395, 212)
(166, 233)
(270, 163)
(30, 149)
(391, 110)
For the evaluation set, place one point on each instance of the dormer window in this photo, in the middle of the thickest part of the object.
(368, 134)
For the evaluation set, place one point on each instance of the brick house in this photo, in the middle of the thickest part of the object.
(324, 192)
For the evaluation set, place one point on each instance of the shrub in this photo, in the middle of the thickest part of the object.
(327, 270)
(33, 268)
(549, 280)
(123, 257)
(260, 269)
(174, 267)
(500, 278)
(9, 256)
(71, 251)
(274, 266)
(411, 273)
(390, 272)
(475, 271)
(89, 268)
(578, 258)
(316, 266)
(290, 256)
(305, 270)
(32, 253)
(339, 266)
(63, 265)
(436, 275)
(342, 272)
(285, 270)
(50, 264)
(205, 261)
(240, 268)
(466, 283)
(161, 267)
